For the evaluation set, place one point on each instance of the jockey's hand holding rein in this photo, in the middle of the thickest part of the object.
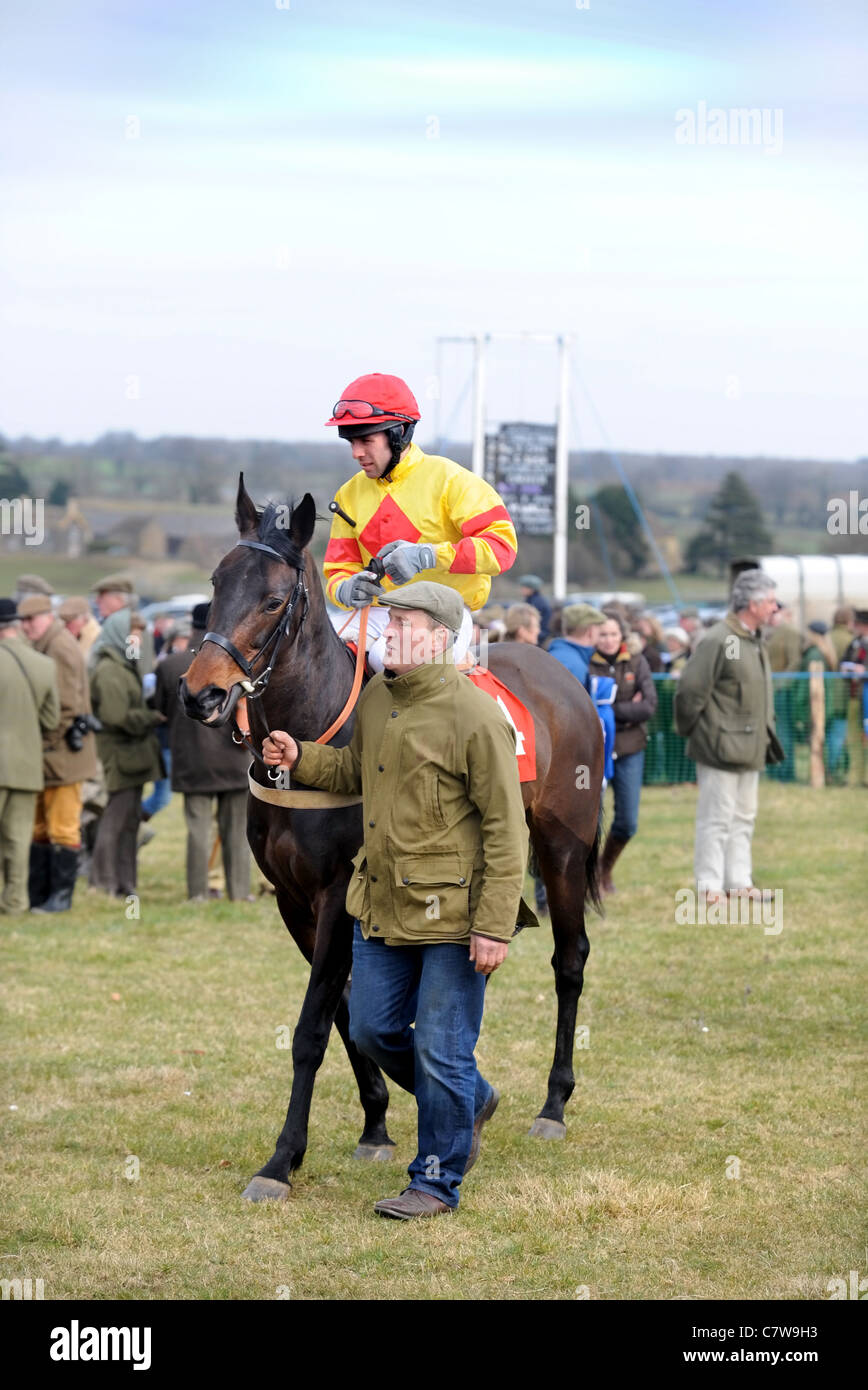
(280, 750)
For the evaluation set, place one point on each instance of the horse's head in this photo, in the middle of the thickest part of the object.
(259, 588)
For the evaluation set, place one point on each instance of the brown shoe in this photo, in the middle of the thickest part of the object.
(484, 1115)
(410, 1204)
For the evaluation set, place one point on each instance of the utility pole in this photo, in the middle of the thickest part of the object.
(480, 343)
(562, 473)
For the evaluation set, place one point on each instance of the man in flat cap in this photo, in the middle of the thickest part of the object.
(436, 886)
(29, 709)
(579, 622)
(28, 584)
(69, 756)
(112, 594)
(80, 623)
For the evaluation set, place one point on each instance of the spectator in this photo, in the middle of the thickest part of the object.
(817, 647)
(205, 764)
(842, 631)
(29, 709)
(80, 622)
(653, 646)
(677, 650)
(26, 585)
(176, 639)
(689, 620)
(112, 594)
(127, 747)
(523, 624)
(855, 660)
(784, 648)
(69, 758)
(574, 650)
(635, 703)
(783, 641)
(531, 584)
(724, 707)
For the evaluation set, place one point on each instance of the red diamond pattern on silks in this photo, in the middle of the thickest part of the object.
(387, 524)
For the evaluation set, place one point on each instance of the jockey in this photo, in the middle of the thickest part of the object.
(424, 516)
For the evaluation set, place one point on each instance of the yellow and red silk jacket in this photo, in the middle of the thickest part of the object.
(429, 499)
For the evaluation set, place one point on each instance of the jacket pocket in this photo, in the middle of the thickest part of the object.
(737, 746)
(136, 758)
(433, 894)
(358, 900)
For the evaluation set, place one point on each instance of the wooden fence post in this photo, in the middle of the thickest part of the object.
(818, 722)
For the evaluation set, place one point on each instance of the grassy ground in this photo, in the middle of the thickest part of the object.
(154, 1040)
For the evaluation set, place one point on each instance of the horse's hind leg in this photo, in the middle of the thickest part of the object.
(374, 1142)
(563, 871)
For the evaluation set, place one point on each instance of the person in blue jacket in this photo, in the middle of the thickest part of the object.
(574, 650)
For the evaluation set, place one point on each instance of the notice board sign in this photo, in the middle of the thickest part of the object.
(520, 463)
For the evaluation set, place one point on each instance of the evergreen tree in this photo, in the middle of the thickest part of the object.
(733, 526)
(625, 533)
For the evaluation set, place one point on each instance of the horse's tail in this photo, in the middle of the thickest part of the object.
(592, 866)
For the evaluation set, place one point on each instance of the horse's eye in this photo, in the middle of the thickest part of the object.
(273, 605)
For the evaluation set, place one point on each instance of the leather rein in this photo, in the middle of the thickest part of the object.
(255, 687)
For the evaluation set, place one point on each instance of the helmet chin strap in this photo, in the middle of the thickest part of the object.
(399, 438)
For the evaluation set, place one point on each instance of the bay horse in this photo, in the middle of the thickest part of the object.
(270, 636)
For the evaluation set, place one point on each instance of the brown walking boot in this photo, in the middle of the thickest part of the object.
(484, 1115)
(611, 850)
(410, 1204)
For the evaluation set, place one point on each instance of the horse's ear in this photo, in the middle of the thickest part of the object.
(303, 521)
(246, 515)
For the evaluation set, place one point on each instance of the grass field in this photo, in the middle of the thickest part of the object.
(155, 1040)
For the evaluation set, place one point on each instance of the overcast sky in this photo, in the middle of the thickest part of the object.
(218, 212)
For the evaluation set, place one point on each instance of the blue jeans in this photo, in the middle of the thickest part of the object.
(627, 785)
(439, 988)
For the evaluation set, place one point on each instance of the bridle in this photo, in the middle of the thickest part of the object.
(255, 687)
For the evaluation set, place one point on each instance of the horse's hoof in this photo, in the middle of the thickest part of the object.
(547, 1129)
(374, 1153)
(265, 1190)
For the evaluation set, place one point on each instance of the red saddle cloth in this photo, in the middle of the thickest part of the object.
(518, 715)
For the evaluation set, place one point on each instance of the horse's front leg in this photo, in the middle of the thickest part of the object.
(329, 971)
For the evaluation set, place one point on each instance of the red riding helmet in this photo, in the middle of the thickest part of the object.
(372, 403)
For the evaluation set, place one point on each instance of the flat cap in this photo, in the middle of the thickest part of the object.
(32, 584)
(530, 581)
(578, 615)
(113, 585)
(8, 611)
(74, 607)
(33, 605)
(442, 604)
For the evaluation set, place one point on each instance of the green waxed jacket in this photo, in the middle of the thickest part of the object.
(445, 847)
(724, 704)
(127, 744)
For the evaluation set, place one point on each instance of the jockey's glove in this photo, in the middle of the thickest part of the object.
(358, 591)
(403, 560)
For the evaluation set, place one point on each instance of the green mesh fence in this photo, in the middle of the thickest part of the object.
(845, 750)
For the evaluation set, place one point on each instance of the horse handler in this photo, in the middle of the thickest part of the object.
(436, 887)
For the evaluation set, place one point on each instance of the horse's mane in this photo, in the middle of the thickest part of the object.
(274, 530)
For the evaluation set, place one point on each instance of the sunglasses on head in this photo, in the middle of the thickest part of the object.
(362, 410)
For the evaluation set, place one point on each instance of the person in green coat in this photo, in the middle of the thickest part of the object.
(128, 750)
(436, 888)
(29, 709)
(725, 708)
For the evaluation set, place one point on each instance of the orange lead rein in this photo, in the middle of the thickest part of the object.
(357, 679)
